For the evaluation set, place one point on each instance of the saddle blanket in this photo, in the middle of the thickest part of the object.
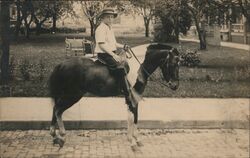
(140, 52)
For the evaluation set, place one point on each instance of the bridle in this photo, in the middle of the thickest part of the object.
(153, 77)
(165, 61)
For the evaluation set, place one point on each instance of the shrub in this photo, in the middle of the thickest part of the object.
(41, 69)
(189, 58)
(25, 69)
(12, 66)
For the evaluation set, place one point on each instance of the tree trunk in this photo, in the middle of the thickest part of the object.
(146, 24)
(92, 28)
(27, 29)
(54, 16)
(201, 34)
(177, 23)
(54, 23)
(19, 20)
(176, 29)
(38, 28)
(39, 25)
(245, 30)
(4, 41)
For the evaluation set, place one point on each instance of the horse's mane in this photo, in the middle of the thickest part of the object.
(159, 46)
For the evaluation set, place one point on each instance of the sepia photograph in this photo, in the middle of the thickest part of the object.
(124, 78)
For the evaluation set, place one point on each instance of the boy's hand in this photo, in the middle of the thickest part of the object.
(126, 47)
(117, 58)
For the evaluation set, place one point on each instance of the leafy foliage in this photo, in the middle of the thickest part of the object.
(40, 11)
(25, 69)
(189, 57)
(173, 18)
(146, 9)
(12, 66)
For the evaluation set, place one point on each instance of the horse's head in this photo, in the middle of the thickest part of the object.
(167, 58)
(169, 65)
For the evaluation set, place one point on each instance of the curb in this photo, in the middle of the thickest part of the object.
(104, 125)
(224, 44)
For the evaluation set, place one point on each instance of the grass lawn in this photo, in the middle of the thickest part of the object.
(223, 72)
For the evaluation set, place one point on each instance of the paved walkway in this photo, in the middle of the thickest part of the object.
(113, 143)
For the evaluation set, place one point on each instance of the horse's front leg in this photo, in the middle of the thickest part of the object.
(135, 135)
(134, 126)
(130, 132)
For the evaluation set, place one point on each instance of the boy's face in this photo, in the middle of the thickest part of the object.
(108, 19)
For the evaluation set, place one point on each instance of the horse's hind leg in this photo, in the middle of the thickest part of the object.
(53, 124)
(60, 107)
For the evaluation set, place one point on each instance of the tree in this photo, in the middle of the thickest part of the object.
(26, 9)
(4, 40)
(146, 9)
(245, 8)
(19, 21)
(43, 10)
(174, 18)
(39, 11)
(59, 9)
(197, 9)
(92, 9)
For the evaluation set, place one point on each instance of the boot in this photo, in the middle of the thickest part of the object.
(133, 96)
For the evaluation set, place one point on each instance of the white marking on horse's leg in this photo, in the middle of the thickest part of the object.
(62, 131)
(135, 132)
(135, 135)
(52, 130)
(53, 124)
(131, 128)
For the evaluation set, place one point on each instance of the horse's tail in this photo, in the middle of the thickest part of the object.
(54, 84)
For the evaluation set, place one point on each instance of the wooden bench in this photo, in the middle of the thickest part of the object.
(78, 47)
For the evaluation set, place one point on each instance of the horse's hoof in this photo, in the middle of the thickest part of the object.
(139, 144)
(59, 141)
(62, 133)
(53, 134)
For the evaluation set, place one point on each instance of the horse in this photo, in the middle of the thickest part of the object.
(71, 79)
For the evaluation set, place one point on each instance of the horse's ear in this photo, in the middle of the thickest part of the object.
(177, 52)
(168, 56)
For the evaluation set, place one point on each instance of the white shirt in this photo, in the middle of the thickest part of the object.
(104, 34)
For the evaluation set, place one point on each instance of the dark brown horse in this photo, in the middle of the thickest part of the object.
(76, 76)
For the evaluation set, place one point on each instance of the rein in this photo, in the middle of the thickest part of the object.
(154, 79)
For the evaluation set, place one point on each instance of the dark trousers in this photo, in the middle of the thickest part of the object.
(108, 60)
(119, 70)
(112, 63)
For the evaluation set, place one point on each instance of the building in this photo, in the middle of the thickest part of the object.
(239, 31)
(236, 30)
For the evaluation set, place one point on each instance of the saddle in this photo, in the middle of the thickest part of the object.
(114, 66)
